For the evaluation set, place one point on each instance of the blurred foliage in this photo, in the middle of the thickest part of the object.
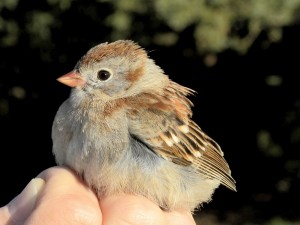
(267, 145)
(260, 120)
(217, 24)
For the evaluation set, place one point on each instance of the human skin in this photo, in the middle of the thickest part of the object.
(58, 196)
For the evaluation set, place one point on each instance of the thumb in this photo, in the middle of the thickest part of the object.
(16, 211)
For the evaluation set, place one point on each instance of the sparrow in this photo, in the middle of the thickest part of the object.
(127, 128)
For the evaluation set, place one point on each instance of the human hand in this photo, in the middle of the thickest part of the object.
(57, 196)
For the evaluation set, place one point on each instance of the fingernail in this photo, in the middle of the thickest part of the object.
(22, 205)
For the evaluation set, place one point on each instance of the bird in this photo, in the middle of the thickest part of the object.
(127, 128)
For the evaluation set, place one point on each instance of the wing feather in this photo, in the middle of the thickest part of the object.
(176, 137)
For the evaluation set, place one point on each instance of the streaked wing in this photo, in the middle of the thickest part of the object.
(175, 136)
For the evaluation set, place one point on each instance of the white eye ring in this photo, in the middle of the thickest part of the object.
(104, 74)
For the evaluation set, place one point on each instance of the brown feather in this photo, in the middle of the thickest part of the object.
(111, 50)
(180, 139)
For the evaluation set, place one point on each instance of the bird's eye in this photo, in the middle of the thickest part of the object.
(104, 75)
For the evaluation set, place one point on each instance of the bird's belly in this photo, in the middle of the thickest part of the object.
(111, 162)
(140, 171)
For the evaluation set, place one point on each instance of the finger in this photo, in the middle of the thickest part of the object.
(131, 210)
(17, 211)
(62, 199)
(179, 217)
(138, 210)
(65, 200)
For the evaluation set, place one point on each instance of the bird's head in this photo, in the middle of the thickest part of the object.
(114, 70)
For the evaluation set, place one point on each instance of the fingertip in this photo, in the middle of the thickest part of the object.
(65, 200)
(180, 217)
(130, 209)
(22, 205)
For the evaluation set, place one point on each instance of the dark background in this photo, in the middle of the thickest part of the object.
(249, 103)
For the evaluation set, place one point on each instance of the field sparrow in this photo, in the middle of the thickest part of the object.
(127, 128)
